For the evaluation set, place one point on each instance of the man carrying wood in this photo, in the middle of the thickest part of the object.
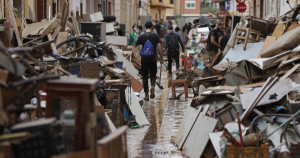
(149, 40)
(213, 41)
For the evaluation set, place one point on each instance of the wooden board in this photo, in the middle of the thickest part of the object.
(266, 87)
(129, 67)
(279, 30)
(199, 136)
(269, 41)
(13, 21)
(80, 154)
(135, 84)
(3, 77)
(75, 24)
(54, 50)
(62, 36)
(135, 107)
(111, 125)
(116, 40)
(186, 125)
(293, 26)
(215, 139)
(64, 16)
(289, 72)
(39, 28)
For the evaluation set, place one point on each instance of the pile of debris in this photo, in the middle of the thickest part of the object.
(248, 103)
(65, 92)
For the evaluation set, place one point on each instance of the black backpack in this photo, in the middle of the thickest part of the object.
(173, 43)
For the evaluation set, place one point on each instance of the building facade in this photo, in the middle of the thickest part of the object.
(158, 8)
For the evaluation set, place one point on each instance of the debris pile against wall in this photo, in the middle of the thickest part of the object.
(246, 100)
(69, 86)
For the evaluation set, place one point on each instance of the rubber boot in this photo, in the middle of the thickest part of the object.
(146, 96)
(152, 92)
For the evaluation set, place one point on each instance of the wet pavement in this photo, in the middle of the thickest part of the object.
(165, 116)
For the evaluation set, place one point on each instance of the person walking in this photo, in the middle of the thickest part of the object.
(172, 42)
(149, 40)
(213, 41)
(133, 35)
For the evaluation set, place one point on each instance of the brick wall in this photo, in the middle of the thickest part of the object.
(183, 9)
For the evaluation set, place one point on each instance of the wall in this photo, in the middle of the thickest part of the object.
(75, 6)
(190, 12)
(158, 13)
(126, 12)
(31, 9)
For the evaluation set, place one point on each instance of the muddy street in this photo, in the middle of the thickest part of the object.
(164, 115)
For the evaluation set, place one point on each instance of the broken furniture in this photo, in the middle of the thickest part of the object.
(114, 145)
(71, 100)
(44, 139)
(233, 151)
(179, 81)
(248, 36)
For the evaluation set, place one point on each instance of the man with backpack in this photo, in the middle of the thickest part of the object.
(172, 41)
(149, 40)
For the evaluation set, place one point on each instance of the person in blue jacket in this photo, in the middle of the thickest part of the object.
(172, 43)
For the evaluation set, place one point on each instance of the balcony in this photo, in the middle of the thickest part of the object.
(162, 3)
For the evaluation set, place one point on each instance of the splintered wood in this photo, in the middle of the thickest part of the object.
(39, 28)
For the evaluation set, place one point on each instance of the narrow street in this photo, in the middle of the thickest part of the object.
(165, 116)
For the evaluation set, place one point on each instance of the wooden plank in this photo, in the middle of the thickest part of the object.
(116, 40)
(289, 72)
(75, 24)
(135, 84)
(3, 77)
(279, 30)
(135, 107)
(54, 50)
(62, 36)
(56, 31)
(79, 154)
(111, 125)
(186, 125)
(7, 41)
(39, 28)
(64, 16)
(215, 139)
(129, 67)
(215, 59)
(13, 21)
(199, 136)
(293, 26)
(267, 86)
(269, 41)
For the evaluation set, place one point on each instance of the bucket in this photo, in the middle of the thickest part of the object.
(119, 64)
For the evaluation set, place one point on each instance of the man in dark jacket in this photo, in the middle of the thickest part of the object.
(213, 41)
(172, 41)
(225, 39)
(149, 64)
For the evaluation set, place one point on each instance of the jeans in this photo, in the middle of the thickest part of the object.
(171, 56)
(148, 65)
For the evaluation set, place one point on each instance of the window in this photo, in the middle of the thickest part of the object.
(190, 5)
(160, 0)
(172, 1)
